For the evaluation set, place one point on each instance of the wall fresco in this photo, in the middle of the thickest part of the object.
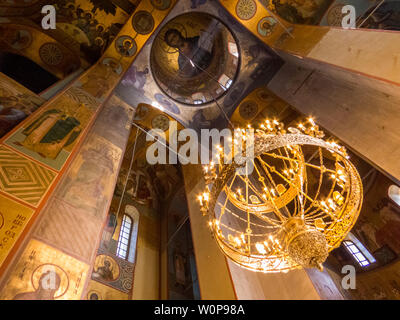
(24, 38)
(98, 291)
(23, 179)
(113, 271)
(16, 103)
(27, 280)
(13, 219)
(49, 138)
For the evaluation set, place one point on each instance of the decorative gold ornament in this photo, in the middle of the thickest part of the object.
(299, 199)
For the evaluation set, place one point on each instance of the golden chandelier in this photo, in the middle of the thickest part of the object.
(300, 201)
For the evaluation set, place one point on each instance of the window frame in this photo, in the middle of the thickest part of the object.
(365, 262)
(122, 232)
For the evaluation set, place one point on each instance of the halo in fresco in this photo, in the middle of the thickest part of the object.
(22, 39)
(194, 58)
(126, 46)
(94, 295)
(60, 277)
(105, 268)
(141, 112)
(266, 26)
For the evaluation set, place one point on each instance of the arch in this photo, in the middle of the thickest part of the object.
(36, 45)
(20, 68)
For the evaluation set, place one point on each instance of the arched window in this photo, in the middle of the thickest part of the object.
(124, 237)
(394, 194)
(127, 240)
(358, 251)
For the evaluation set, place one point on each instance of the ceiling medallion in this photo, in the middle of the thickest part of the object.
(300, 201)
(143, 22)
(51, 54)
(160, 122)
(126, 46)
(248, 110)
(266, 26)
(246, 9)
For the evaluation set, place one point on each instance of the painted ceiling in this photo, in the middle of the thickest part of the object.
(256, 65)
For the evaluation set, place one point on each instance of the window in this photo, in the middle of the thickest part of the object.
(124, 237)
(394, 194)
(358, 251)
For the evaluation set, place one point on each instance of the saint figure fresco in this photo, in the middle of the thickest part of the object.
(50, 133)
(193, 57)
(49, 283)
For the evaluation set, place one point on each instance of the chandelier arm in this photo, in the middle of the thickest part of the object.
(275, 225)
(291, 163)
(253, 188)
(248, 230)
(226, 199)
(263, 163)
(321, 176)
(277, 212)
(239, 232)
(295, 160)
(288, 181)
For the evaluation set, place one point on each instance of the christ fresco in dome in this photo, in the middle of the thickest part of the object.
(195, 53)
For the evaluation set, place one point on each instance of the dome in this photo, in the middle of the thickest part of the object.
(194, 58)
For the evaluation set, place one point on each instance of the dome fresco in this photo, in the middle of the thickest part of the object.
(194, 58)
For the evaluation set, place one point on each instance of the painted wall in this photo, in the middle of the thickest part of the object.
(16, 103)
(64, 239)
(45, 146)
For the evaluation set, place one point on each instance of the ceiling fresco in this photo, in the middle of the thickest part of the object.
(85, 29)
(256, 66)
(194, 58)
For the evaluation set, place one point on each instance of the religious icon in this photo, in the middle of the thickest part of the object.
(266, 26)
(10, 114)
(16, 103)
(92, 295)
(45, 273)
(190, 50)
(141, 112)
(90, 176)
(105, 269)
(179, 266)
(51, 132)
(47, 286)
(195, 53)
(126, 46)
(301, 11)
(21, 39)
